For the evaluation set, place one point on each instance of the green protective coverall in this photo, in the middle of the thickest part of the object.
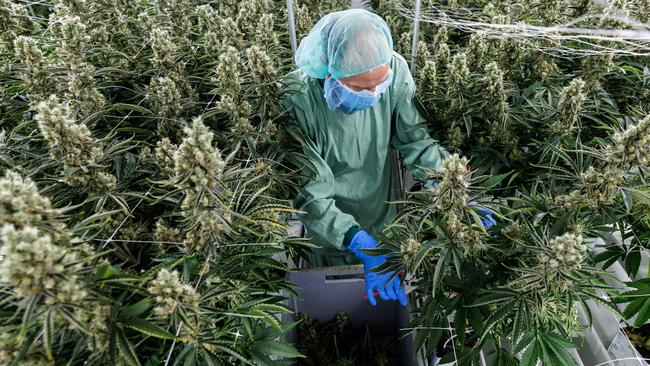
(354, 177)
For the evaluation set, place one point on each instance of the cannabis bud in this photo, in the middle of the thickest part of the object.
(228, 69)
(493, 81)
(35, 265)
(164, 154)
(69, 141)
(458, 73)
(198, 163)
(546, 68)
(565, 252)
(73, 145)
(452, 189)
(304, 20)
(95, 317)
(410, 249)
(568, 107)
(34, 71)
(427, 77)
(164, 49)
(20, 201)
(568, 200)
(207, 16)
(169, 293)
(601, 185)
(442, 53)
(166, 98)
(631, 146)
(342, 322)
(478, 47)
(404, 43)
(455, 137)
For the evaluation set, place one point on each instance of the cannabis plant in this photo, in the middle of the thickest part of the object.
(518, 286)
(556, 147)
(145, 182)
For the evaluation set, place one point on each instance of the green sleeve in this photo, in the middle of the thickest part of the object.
(325, 222)
(411, 137)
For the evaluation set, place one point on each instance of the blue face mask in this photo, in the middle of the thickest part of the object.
(346, 100)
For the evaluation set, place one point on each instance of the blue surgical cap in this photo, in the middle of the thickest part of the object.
(345, 43)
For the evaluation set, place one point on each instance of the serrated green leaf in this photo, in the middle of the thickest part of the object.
(494, 180)
(235, 354)
(633, 262)
(182, 355)
(48, 335)
(494, 318)
(277, 308)
(277, 348)
(129, 107)
(503, 358)
(136, 309)
(492, 298)
(148, 328)
(126, 349)
(531, 355)
(209, 357)
(523, 342)
(437, 274)
(190, 359)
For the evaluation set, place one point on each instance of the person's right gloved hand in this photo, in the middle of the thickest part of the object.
(376, 280)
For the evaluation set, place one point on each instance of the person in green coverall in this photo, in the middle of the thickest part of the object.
(353, 98)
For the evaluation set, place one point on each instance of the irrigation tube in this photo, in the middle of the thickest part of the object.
(416, 33)
(292, 27)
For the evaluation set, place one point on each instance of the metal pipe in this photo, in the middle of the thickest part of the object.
(292, 27)
(416, 33)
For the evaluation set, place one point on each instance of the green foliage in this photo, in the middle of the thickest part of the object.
(556, 148)
(639, 301)
(146, 171)
(147, 167)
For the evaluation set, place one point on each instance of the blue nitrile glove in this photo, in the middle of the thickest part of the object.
(488, 220)
(430, 184)
(375, 280)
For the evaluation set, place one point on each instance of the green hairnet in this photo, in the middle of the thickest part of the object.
(345, 43)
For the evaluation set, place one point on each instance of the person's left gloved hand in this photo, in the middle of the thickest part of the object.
(430, 184)
(376, 280)
(488, 221)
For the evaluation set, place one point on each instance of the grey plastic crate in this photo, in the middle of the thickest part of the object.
(325, 291)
